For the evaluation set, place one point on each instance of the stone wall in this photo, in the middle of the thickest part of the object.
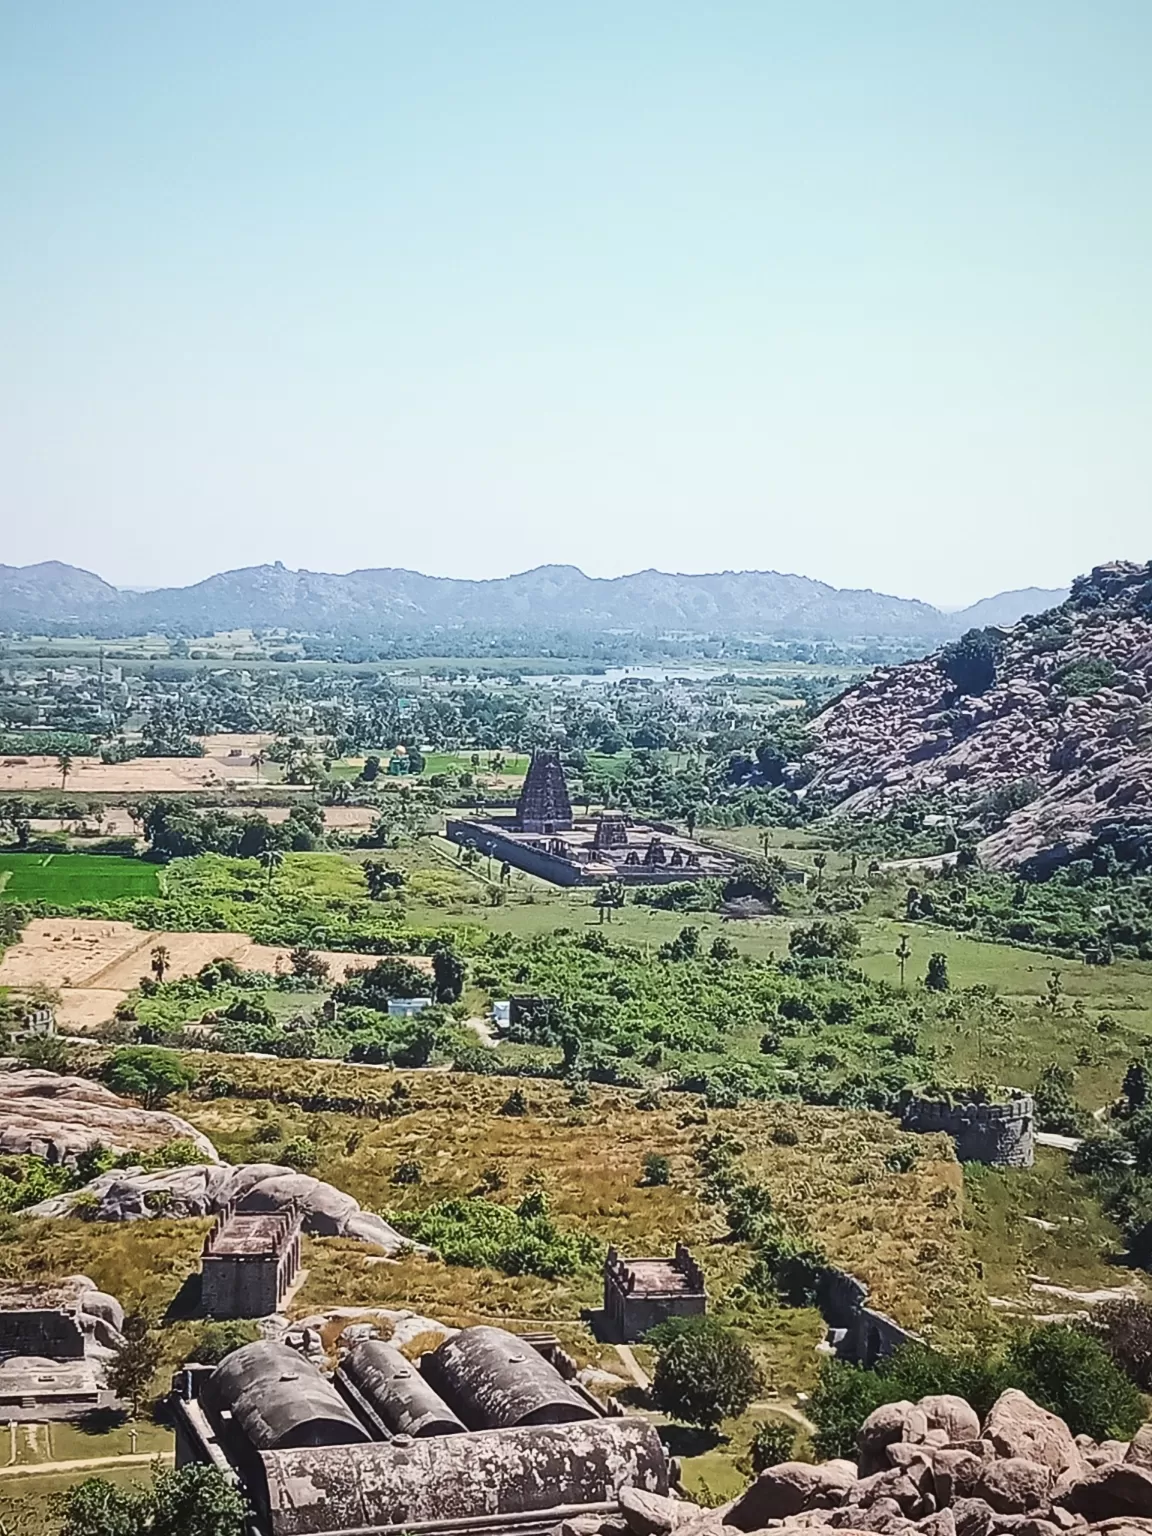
(857, 1331)
(998, 1134)
(48, 1332)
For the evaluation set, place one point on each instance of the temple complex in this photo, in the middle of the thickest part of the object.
(543, 838)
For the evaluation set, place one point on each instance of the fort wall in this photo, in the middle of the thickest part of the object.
(1001, 1135)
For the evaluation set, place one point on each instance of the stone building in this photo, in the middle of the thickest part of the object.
(250, 1262)
(639, 1293)
(481, 1435)
(999, 1134)
(55, 1343)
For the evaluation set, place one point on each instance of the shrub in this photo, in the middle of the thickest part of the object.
(1073, 1375)
(218, 1340)
(1124, 1328)
(517, 1241)
(704, 1371)
(772, 1443)
(301, 1153)
(407, 1172)
(936, 976)
(657, 1169)
(824, 939)
(515, 1104)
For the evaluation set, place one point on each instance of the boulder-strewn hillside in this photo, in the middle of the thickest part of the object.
(550, 597)
(1060, 705)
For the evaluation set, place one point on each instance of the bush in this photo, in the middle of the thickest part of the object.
(517, 1241)
(301, 1153)
(407, 1172)
(772, 1443)
(1124, 1328)
(825, 939)
(1073, 1375)
(218, 1340)
(657, 1169)
(515, 1104)
(704, 1372)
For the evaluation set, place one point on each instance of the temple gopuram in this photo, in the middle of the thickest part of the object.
(543, 838)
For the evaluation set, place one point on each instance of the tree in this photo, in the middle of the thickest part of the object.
(161, 955)
(825, 939)
(136, 1360)
(936, 976)
(271, 859)
(704, 1372)
(194, 1500)
(147, 1073)
(371, 769)
(970, 663)
(308, 965)
(723, 949)
(820, 864)
(64, 763)
(449, 973)
(1125, 1330)
(903, 955)
(1073, 1376)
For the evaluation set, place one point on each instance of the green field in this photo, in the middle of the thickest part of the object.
(71, 879)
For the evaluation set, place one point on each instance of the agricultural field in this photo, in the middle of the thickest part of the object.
(73, 879)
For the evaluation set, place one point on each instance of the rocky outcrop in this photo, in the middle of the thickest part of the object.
(58, 1117)
(1070, 709)
(929, 1468)
(204, 1189)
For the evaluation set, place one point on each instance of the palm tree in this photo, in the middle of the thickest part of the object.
(820, 863)
(64, 763)
(160, 959)
(903, 955)
(257, 763)
(271, 858)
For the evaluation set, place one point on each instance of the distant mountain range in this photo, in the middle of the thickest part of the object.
(62, 598)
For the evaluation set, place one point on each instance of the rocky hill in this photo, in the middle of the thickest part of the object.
(1056, 710)
(550, 597)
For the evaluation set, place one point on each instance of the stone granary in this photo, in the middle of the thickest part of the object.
(545, 839)
(54, 1345)
(250, 1262)
(640, 1293)
(481, 1435)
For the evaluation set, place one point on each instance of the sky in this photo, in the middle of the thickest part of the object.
(856, 290)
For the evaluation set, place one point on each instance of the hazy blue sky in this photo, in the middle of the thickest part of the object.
(860, 290)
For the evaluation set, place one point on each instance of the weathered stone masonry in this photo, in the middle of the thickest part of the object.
(249, 1263)
(640, 1293)
(998, 1134)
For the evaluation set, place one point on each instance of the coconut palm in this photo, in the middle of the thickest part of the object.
(271, 859)
(64, 763)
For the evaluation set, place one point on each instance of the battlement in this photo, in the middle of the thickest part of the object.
(998, 1134)
(639, 1293)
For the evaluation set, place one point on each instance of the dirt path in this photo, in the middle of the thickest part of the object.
(139, 1459)
(633, 1367)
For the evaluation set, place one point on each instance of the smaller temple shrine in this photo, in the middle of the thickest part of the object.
(640, 1293)
(250, 1262)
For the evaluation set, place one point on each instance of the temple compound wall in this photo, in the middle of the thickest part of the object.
(858, 1333)
(640, 1293)
(1001, 1135)
(249, 1263)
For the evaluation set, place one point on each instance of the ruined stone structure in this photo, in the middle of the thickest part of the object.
(611, 831)
(544, 804)
(481, 1435)
(998, 1134)
(639, 1293)
(54, 1344)
(857, 1332)
(250, 1262)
